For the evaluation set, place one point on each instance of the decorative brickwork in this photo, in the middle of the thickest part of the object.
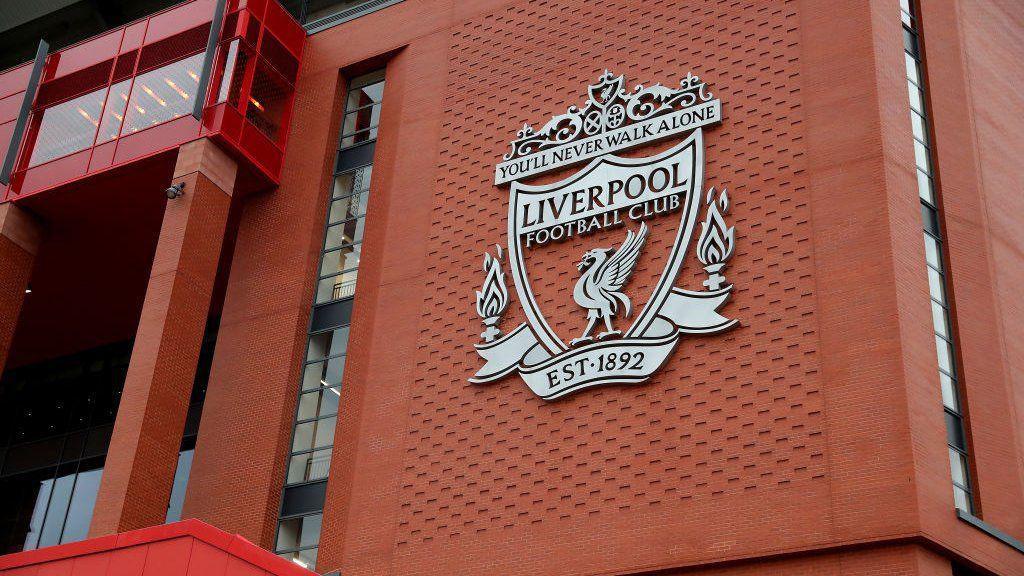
(740, 414)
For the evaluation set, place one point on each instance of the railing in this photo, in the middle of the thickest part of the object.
(131, 92)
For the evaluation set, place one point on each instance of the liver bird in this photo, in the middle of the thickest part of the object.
(604, 271)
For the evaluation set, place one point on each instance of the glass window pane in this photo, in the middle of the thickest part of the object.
(309, 466)
(318, 403)
(355, 181)
(921, 156)
(335, 371)
(344, 233)
(924, 187)
(322, 374)
(341, 286)
(308, 404)
(303, 437)
(304, 558)
(83, 499)
(346, 258)
(918, 126)
(958, 467)
(181, 474)
(948, 392)
(330, 343)
(359, 137)
(35, 526)
(916, 99)
(288, 534)
(343, 184)
(68, 127)
(912, 68)
(113, 114)
(348, 207)
(324, 432)
(329, 402)
(361, 96)
(299, 532)
(955, 431)
(361, 120)
(935, 287)
(931, 252)
(961, 500)
(57, 511)
(944, 353)
(162, 94)
(939, 320)
(930, 220)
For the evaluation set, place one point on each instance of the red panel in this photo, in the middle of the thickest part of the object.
(6, 130)
(85, 54)
(26, 571)
(257, 147)
(179, 19)
(91, 565)
(157, 138)
(287, 30)
(207, 561)
(55, 172)
(10, 106)
(167, 27)
(237, 567)
(127, 561)
(168, 558)
(15, 79)
(188, 548)
(133, 36)
(257, 7)
(102, 156)
(58, 568)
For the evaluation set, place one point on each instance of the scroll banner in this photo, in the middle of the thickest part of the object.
(628, 360)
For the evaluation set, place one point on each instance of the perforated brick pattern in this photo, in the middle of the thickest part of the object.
(728, 413)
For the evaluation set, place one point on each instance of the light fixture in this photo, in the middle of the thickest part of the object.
(28, 289)
(175, 190)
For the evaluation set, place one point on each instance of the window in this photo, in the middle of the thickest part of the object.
(316, 413)
(56, 418)
(938, 283)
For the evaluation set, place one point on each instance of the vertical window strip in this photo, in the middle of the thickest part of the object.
(937, 280)
(309, 457)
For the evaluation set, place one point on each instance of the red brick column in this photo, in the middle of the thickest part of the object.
(147, 433)
(20, 234)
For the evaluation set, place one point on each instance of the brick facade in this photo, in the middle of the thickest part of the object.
(147, 434)
(808, 440)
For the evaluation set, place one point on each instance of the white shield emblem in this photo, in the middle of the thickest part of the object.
(615, 343)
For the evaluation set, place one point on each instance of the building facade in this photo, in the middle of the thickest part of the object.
(516, 287)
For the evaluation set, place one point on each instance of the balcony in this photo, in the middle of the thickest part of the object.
(130, 94)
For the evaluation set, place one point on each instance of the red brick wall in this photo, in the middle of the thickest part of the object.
(815, 425)
(973, 50)
(239, 464)
(725, 453)
(142, 457)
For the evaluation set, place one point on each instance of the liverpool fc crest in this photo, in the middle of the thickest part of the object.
(633, 215)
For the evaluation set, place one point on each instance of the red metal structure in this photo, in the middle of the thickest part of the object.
(129, 94)
(189, 547)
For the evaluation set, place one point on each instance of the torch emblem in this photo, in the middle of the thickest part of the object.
(492, 298)
(620, 202)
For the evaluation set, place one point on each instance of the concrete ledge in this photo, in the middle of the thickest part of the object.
(991, 530)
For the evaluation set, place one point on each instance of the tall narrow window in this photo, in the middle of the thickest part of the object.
(309, 459)
(933, 243)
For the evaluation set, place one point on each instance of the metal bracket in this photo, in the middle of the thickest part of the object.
(26, 109)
